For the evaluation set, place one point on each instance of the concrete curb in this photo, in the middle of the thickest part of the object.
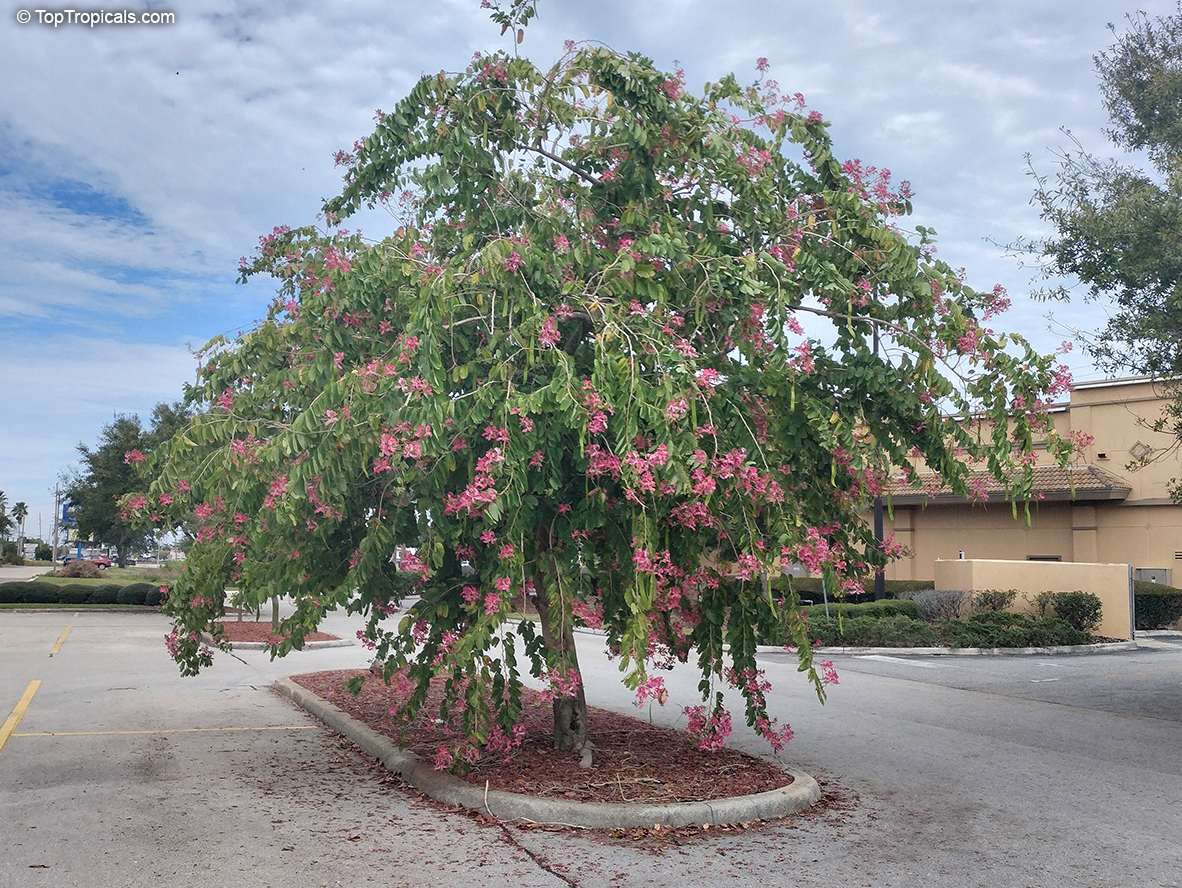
(443, 787)
(1078, 649)
(262, 646)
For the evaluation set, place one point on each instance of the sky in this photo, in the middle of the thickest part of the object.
(139, 162)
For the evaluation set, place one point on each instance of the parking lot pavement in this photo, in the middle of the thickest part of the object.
(10, 573)
(122, 773)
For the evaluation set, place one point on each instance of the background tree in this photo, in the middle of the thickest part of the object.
(1119, 225)
(19, 513)
(109, 473)
(5, 519)
(578, 372)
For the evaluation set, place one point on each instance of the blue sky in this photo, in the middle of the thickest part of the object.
(137, 164)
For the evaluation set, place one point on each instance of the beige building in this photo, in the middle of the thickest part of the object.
(1099, 510)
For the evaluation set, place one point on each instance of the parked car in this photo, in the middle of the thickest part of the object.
(99, 561)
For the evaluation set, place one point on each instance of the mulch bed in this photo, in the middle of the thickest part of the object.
(633, 760)
(249, 630)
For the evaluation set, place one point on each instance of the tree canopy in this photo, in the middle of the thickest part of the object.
(630, 352)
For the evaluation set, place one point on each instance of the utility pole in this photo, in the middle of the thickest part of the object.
(57, 510)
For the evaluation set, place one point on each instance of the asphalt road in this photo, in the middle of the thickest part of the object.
(940, 771)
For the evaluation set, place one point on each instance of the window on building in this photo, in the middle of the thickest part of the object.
(1044, 557)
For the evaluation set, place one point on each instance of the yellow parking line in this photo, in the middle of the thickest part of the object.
(18, 713)
(62, 640)
(161, 731)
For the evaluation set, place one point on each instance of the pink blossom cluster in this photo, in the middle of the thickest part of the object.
(410, 563)
(652, 689)
(597, 409)
(559, 685)
(710, 731)
(246, 449)
(276, 491)
(602, 462)
(589, 611)
(549, 334)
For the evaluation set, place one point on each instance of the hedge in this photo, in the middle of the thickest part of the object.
(866, 631)
(34, 592)
(1157, 606)
(996, 629)
(889, 608)
(810, 587)
(134, 593)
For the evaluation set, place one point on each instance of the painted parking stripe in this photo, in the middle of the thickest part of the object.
(164, 731)
(61, 640)
(885, 659)
(18, 713)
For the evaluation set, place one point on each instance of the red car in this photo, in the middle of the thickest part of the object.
(99, 561)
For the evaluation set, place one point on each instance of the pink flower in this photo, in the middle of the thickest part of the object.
(677, 409)
(487, 537)
(711, 733)
(652, 689)
(513, 262)
(133, 456)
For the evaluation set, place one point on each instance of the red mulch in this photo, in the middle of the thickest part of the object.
(249, 630)
(633, 760)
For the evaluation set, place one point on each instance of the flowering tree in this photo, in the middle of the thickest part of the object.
(579, 372)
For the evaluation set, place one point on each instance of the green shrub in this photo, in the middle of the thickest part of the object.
(999, 629)
(28, 593)
(1082, 610)
(42, 593)
(43, 553)
(134, 593)
(105, 594)
(10, 555)
(1041, 602)
(1156, 605)
(75, 593)
(940, 604)
(864, 631)
(154, 597)
(1158, 609)
(994, 599)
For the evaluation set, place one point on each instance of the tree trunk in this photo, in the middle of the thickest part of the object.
(570, 712)
(275, 614)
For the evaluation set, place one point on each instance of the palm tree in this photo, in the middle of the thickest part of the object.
(20, 512)
(5, 521)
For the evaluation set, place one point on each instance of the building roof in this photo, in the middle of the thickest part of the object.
(1085, 483)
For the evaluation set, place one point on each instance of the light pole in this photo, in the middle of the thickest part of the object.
(879, 575)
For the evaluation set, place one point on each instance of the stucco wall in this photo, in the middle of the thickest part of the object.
(1110, 582)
